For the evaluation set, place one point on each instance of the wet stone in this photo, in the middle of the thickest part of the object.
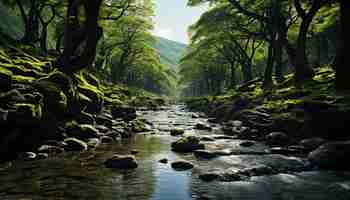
(247, 143)
(74, 144)
(106, 139)
(27, 156)
(41, 156)
(176, 132)
(164, 161)
(205, 154)
(121, 162)
(181, 165)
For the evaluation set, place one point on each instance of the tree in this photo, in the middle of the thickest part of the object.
(342, 63)
(80, 38)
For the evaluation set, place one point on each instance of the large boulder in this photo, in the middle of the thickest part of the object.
(187, 144)
(54, 99)
(331, 155)
(127, 113)
(121, 162)
(85, 118)
(277, 138)
(25, 114)
(104, 119)
(312, 143)
(74, 144)
(82, 131)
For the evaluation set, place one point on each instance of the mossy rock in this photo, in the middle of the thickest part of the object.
(25, 114)
(290, 123)
(138, 126)
(176, 132)
(91, 79)
(60, 79)
(81, 131)
(18, 79)
(33, 98)
(5, 79)
(11, 96)
(74, 144)
(96, 99)
(21, 70)
(187, 144)
(55, 101)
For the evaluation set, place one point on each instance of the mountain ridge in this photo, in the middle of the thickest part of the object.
(170, 51)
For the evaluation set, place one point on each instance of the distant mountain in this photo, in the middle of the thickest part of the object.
(170, 51)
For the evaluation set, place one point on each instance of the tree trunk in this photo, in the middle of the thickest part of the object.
(233, 75)
(278, 52)
(80, 40)
(269, 67)
(247, 72)
(302, 69)
(342, 63)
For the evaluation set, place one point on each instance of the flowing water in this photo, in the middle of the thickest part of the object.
(76, 176)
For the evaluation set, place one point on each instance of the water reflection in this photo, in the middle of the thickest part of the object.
(83, 176)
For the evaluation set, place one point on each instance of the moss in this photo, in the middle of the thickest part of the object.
(54, 99)
(22, 79)
(11, 96)
(4, 58)
(29, 111)
(60, 79)
(91, 79)
(22, 70)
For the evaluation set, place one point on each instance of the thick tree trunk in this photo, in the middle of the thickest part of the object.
(247, 72)
(58, 43)
(269, 67)
(43, 39)
(342, 63)
(80, 41)
(302, 69)
(278, 52)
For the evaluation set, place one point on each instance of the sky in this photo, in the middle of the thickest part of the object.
(173, 17)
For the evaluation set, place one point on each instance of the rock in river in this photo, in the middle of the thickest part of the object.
(204, 154)
(312, 143)
(203, 126)
(277, 138)
(181, 165)
(74, 144)
(187, 144)
(121, 162)
(28, 156)
(331, 155)
(176, 132)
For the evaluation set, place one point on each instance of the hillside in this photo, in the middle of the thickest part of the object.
(170, 51)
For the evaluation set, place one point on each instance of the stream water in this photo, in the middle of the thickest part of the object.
(83, 176)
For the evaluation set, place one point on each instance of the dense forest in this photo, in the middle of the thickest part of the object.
(238, 41)
(120, 48)
(95, 105)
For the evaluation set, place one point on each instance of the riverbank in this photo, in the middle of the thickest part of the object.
(44, 112)
(286, 116)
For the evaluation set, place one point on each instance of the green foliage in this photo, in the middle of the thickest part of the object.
(169, 51)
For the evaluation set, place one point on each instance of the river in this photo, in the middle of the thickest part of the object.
(74, 176)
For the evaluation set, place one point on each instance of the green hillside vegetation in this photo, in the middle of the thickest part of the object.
(170, 52)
